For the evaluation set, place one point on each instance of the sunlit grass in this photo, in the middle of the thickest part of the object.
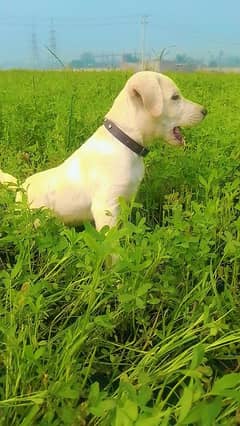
(155, 339)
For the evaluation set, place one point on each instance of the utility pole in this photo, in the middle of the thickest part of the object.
(144, 22)
(35, 53)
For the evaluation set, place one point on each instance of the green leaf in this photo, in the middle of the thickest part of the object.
(94, 393)
(39, 352)
(122, 419)
(211, 411)
(228, 381)
(131, 409)
(65, 391)
(144, 395)
(140, 303)
(185, 403)
(151, 421)
(203, 413)
(203, 181)
(126, 297)
(198, 354)
(104, 321)
(143, 289)
(231, 394)
(28, 420)
(103, 407)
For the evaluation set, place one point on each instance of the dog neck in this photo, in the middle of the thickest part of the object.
(125, 139)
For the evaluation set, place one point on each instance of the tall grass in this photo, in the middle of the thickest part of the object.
(155, 339)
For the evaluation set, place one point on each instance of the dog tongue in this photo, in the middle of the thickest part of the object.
(177, 133)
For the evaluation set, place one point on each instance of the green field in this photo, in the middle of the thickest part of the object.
(155, 340)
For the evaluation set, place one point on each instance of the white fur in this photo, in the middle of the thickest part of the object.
(5, 178)
(87, 185)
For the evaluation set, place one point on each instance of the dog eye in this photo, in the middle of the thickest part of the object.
(175, 97)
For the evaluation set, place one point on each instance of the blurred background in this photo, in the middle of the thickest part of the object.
(171, 35)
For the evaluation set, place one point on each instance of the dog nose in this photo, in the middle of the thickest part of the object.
(204, 112)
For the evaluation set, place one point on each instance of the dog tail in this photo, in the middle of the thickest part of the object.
(7, 179)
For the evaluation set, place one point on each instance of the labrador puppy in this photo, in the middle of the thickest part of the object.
(109, 165)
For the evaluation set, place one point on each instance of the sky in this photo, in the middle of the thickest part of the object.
(197, 28)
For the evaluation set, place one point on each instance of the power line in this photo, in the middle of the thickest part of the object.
(144, 22)
(105, 21)
(56, 57)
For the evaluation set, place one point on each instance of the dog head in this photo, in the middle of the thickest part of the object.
(159, 109)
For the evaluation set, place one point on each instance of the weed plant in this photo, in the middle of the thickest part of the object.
(155, 339)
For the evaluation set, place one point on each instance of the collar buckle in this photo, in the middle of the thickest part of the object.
(125, 139)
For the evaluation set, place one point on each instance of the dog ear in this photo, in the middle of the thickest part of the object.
(147, 88)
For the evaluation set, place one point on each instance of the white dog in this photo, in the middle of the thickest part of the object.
(109, 165)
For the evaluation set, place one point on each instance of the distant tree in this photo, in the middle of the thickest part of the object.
(213, 63)
(221, 60)
(86, 60)
(182, 58)
(75, 63)
(232, 61)
(130, 58)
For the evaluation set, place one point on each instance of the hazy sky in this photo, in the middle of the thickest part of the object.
(200, 27)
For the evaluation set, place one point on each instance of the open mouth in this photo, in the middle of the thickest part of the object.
(178, 136)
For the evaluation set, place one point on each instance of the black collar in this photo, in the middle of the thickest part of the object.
(125, 139)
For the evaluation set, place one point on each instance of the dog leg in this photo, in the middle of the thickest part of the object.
(104, 214)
